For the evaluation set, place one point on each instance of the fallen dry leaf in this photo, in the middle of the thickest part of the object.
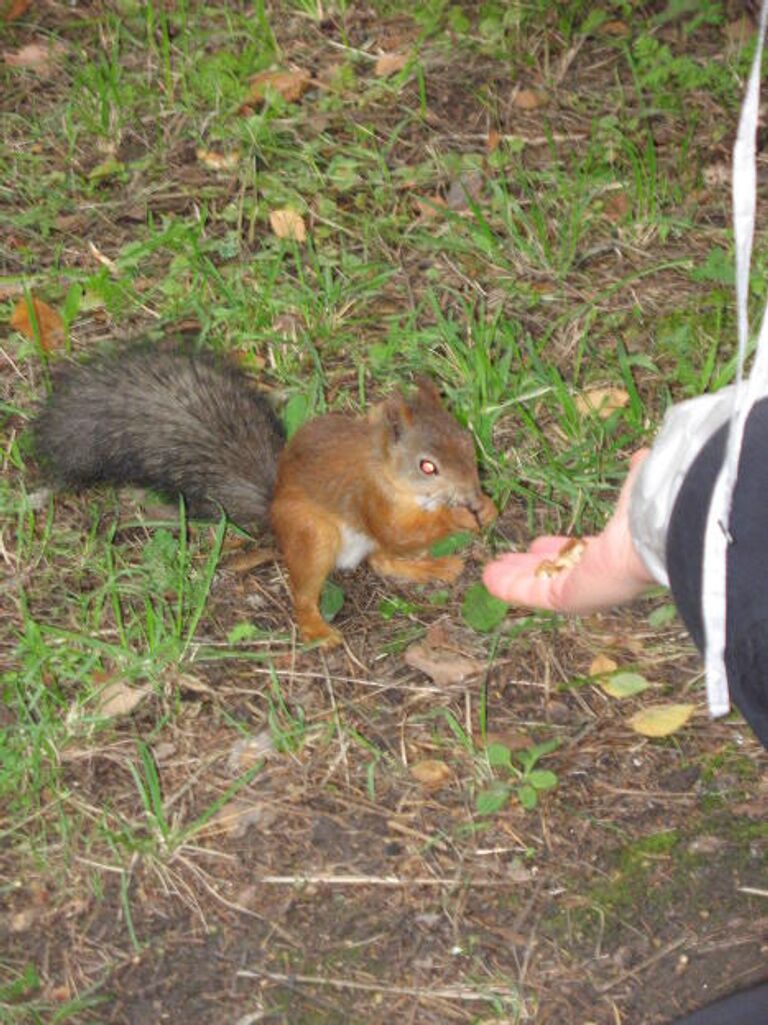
(389, 64)
(11, 9)
(441, 664)
(119, 698)
(39, 56)
(431, 773)
(49, 323)
(238, 816)
(660, 720)
(602, 401)
(291, 85)
(602, 664)
(249, 751)
(615, 28)
(218, 161)
(288, 224)
(616, 205)
(530, 99)
(492, 142)
(430, 207)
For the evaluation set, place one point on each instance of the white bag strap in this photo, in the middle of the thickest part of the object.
(717, 537)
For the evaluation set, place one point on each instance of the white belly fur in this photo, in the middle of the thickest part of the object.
(355, 546)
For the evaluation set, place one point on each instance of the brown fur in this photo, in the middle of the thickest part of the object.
(381, 487)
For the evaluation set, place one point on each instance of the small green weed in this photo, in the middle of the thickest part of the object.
(523, 779)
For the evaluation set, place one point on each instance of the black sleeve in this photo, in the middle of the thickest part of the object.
(746, 656)
(747, 1008)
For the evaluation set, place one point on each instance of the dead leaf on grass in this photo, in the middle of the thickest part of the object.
(602, 664)
(530, 99)
(249, 751)
(237, 817)
(442, 665)
(119, 698)
(431, 773)
(661, 720)
(617, 29)
(40, 56)
(602, 401)
(12, 9)
(49, 323)
(389, 64)
(288, 224)
(429, 207)
(22, 921)
(291, 85)
(217, 161)
(616, 205)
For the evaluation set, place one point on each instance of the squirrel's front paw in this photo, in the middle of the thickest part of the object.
(486, 511)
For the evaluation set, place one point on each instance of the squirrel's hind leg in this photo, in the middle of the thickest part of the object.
(421, 569)
(310, 544)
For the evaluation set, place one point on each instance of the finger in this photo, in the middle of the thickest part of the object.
(513, 579)
(548, 545)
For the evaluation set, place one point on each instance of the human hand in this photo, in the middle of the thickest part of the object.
(608, 573)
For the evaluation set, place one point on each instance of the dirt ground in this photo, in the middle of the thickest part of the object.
(338, 885)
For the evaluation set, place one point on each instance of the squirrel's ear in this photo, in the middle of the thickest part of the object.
(394, 412)
(428, 393)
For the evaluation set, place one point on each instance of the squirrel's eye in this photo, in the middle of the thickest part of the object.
(428, 467)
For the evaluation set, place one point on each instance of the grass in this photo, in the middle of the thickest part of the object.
(521, 255)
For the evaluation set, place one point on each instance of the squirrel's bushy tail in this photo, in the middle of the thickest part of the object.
(172, 421)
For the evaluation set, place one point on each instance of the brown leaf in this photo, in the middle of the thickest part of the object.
(530, 99)
(389, 64)
(661, 720)
(290, 84)
(119, 698)
(441, 664)
(617, 29)
(602, 664)
(492, 142)
(218, 161)
(430, 207)
(39, 56)
(602, 401)
(249, 751)
(616, 205)
(431, 773)
(238, 816)
(49, 323)
(12, 9)
(288, 224)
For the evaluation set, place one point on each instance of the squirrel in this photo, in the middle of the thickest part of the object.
(382, 486)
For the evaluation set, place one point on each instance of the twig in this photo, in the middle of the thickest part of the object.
(321, 879)
(446, 993)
